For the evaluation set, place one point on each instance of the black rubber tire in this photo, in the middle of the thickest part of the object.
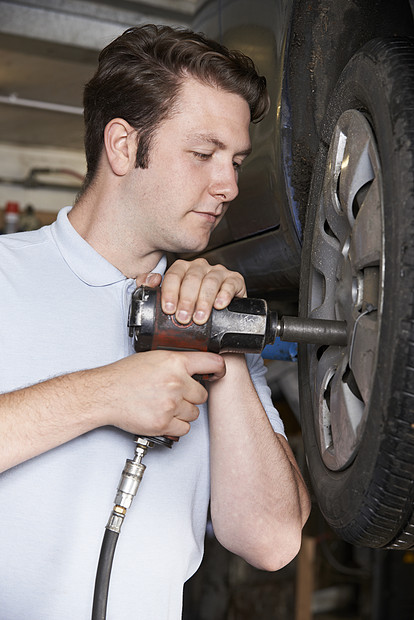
(369, 502)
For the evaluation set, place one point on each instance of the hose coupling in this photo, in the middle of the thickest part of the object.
(128, 485)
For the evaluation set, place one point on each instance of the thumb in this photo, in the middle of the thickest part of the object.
(149, 279)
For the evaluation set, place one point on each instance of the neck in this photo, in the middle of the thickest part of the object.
(96, 218)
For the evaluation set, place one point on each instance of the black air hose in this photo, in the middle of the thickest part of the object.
(103, 574)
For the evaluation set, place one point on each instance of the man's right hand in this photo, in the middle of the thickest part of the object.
(154, 393)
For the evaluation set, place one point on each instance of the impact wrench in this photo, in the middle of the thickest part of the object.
(245, 326)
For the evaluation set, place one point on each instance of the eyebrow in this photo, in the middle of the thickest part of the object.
(211, 139)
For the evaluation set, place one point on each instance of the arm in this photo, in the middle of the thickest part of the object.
(149, 393)
(259, 502)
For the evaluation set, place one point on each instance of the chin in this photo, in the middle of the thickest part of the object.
(192, 247)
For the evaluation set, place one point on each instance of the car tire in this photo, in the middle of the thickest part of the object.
(357, 401)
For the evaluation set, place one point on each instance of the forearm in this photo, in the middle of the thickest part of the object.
(259, 502)
(43, 416)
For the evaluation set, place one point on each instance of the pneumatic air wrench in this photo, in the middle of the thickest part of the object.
(245, 326)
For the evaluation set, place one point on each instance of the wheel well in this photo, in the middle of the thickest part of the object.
(324, 35)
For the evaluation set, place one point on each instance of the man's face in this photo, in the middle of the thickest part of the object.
(193, 169)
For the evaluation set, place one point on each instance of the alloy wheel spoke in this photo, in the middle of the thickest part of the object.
(363, 352)
(366, 240)
(347, 415)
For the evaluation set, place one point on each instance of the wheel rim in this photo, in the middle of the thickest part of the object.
(346, 283)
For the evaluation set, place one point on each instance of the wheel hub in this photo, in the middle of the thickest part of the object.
(345, 283)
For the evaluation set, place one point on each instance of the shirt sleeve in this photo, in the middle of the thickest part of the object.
(258, 372)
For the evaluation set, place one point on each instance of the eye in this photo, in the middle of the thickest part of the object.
(202, 156)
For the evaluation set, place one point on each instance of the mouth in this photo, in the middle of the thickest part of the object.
(209, 216)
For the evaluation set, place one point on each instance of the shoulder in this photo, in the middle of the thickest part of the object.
(25, 250)
(19, 241)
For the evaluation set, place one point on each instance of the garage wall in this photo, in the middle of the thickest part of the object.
(17, 164)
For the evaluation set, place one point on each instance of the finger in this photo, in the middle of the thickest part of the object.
(188, 412)
(189, 295)
(149, 279)
(180, 423)
(217, 289)
(194, 391)
(210, 287)
(200, 363)
(232, 286)
(171, 286)
(177, 428)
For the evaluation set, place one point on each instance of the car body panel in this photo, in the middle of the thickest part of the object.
(260, 232)
(301, 47)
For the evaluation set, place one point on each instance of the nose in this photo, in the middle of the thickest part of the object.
(224, 185)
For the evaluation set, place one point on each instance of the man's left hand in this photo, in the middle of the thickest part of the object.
(192, 288)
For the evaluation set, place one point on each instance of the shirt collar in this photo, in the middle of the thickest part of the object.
(83, 260)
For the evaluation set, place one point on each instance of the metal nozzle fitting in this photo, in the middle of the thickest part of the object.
(128, 485)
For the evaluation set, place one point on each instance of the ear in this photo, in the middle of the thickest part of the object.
(120, 145)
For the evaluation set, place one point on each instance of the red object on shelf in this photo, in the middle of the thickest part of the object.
(12, 207)
(11, 217)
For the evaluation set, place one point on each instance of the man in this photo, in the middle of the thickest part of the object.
(167, 127)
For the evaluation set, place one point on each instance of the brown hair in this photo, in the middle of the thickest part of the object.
(139, 77)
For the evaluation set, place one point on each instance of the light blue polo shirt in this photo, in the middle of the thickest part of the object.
(64, 308)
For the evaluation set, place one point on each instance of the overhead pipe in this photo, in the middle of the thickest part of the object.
(41, 105)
